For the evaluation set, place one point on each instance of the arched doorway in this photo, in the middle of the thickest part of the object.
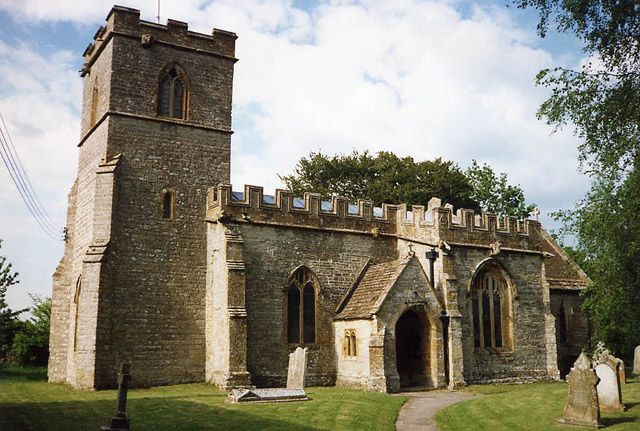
(412, 352)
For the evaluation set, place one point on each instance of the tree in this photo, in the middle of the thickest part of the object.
(387, 178)
(31, 341)
(383, 178)
(8, 317)
(602, 100)
(494, 194)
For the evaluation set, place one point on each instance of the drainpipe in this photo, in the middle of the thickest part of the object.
(431, 256)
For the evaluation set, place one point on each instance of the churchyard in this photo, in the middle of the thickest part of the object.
(28, 402)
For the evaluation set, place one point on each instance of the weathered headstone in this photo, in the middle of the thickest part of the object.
(297, 369)
(608, 371)
(582, 400)
(636, 361)
(621, 372)
(120, 422)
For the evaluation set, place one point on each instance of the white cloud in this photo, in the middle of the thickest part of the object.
(415, 77)
(39, 99)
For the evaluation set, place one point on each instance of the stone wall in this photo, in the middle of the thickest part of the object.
(353, 371)
(576, 332)
(271, 255)
(528, 358)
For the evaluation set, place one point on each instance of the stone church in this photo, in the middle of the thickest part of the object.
(168, 269)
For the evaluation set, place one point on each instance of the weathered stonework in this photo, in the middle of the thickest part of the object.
(165, 268)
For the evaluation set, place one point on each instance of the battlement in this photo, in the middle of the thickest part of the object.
(126, 22)
(311, 210)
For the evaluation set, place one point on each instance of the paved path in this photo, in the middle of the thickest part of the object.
(418, 412)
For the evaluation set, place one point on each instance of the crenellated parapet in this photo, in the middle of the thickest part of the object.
(126, 22)
(433, 223)
(283, 208)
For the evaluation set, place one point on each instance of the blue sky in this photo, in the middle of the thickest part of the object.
(441, 78)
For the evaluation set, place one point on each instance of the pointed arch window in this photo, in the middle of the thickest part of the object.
(93, 116)
(301, 307)
(76, 323)
(173, 94)
(491, 310)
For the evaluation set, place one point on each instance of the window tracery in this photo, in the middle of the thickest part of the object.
(173, 93)
(491, 310)
(301, 307)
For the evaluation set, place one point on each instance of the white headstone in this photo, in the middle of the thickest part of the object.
(636, 361)
(297, 369)
(609, 394)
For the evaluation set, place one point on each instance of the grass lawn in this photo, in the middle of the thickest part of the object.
(28, 402)
(530, 407)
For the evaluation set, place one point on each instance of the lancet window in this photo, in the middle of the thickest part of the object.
(350, 343)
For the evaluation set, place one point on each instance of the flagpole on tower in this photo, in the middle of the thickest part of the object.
(158, 17)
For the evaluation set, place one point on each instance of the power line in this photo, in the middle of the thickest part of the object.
(25, 188)
(22, 181)
(26, 179)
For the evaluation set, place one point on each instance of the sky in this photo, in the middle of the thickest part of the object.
(432, 78)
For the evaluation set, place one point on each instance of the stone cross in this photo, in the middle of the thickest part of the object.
(536, 212)
(636, 361)
(120, 422)
(297, 369)
(582, 407)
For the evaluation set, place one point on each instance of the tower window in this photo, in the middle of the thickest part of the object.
(94, 105)
(76, 322)
(173, 94)
(301, 307)
(167, 204)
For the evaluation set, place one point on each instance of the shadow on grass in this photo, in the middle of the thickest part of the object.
(23, 373)
(615, 421)
(145, 414)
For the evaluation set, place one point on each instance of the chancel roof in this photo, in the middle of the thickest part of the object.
(561, 272)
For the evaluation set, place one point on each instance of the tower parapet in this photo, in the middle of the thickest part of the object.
(126, 22)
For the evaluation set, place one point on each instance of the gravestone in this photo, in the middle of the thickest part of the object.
(622, 373)
(297, 369)
(582, 406)
(120, 422)
(636, 361)
(293, 392)
(609, 392)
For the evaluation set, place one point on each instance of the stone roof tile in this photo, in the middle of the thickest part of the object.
(376, 282)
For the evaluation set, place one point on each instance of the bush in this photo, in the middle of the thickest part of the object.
(31, 341)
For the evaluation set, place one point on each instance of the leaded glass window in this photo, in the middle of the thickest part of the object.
(490, 310)
(301, 307)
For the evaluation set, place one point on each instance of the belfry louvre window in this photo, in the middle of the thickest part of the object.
(301, 307)
(173, 93)
(491, 311)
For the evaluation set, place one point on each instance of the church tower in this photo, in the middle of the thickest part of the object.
(155, 135)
